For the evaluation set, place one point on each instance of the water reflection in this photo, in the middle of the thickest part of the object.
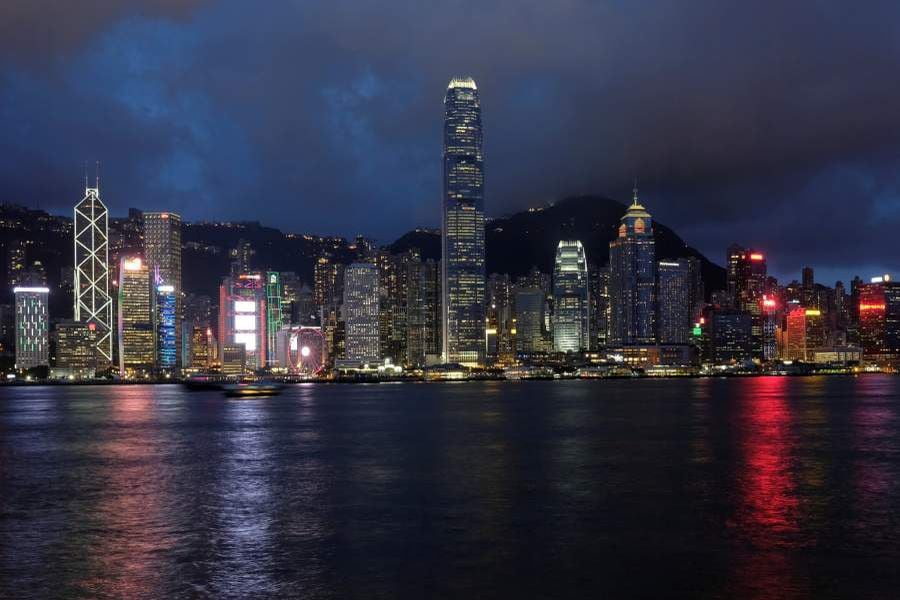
(131, 532)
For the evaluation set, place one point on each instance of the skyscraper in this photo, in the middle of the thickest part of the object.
(462, 231)
(598, 279)
(137, 349)
(162, 252)
(571, 301)
(360, 311)
(879, 320)
(32, 343)
(93, 303)
(632, 279)
(167, 340)
(274, 316)
(76, 349)
(674, 301)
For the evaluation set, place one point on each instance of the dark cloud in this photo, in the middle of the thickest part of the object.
(768, 123)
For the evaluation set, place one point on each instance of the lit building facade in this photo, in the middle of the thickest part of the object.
(675, 301)
(93, 303)
(167, 340)
(360, 312)
(242, 317)
(632, 279)
(76, 349)
(598, 278)
(462, 231)
(137, 343)
(571, 298)
(32, 339)
(879, 320)
(162, 252)
(274, 315)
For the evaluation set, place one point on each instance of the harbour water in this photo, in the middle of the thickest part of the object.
(762, 487)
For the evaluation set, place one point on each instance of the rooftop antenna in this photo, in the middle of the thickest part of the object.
(85, 176)
(634, 192)
(97, 178)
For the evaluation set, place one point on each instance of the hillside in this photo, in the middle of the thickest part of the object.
(529, 238)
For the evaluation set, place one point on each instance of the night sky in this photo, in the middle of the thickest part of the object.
(774, 124)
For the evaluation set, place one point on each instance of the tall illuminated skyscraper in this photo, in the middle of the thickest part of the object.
(93, 303)
(274, 316)
(162, 252)
(571, 302)
(137, 348)
(167, 341)
(360, 311)
(462, 231)
(632, 279)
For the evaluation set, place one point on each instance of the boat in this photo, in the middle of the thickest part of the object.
(253, 389)
(199, 382)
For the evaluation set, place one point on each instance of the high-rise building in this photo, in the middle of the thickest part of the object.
(76, 349)
(632, 279)
(93, 304)
(162, 252)
(423, 326)
(32, 340)
(274, 316)
(328, 282)
(242, 317)
(571, 299)
(501, 346)
(167, 341)
(16, 261)
(730, 338)
(137, 340)
(529, 305)
(462, 231)
(598, 279)
(808, 297)
(795, 334)
(201, 346)
(674, 301)
(360, 311)
(879, 320)
(241, 258)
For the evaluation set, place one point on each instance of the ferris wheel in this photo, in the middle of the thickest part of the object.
(307, 353)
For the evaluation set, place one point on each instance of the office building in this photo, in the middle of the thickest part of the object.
(274, 315)
(360, 312)
(730, 336)
(571, 300)
(675, 301)
(162, 253)
(598, 280)
(462, 231)
(632, 279)
(93, 303)
(879, 320)
(32, 324)
(136, 335)
(76, 350)
(529, 311)
(168, 350)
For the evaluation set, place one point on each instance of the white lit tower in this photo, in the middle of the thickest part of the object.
(93, 303)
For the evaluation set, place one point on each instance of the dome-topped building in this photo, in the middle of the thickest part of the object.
(632, 279)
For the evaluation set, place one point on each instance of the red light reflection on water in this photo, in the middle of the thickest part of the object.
(768, 500)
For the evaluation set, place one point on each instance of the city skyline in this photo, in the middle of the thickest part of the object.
(150, 91)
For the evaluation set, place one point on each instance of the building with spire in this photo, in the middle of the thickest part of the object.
(93, 303)
(632, 279)
(462, 230)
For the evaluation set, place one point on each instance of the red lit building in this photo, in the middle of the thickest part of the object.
(879, 320)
